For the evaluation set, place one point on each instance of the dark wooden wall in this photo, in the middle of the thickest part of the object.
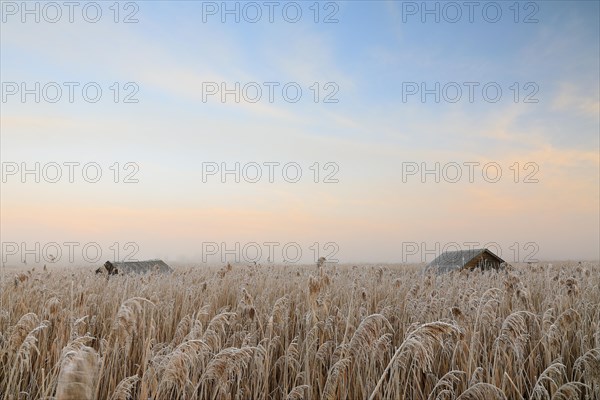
(484, 261)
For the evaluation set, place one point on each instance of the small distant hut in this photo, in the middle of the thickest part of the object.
(136, 267)
(471, 259)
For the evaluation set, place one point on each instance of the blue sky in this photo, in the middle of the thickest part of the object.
(370, 54)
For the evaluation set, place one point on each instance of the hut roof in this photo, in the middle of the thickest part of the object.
(141, 267)
(453, 260)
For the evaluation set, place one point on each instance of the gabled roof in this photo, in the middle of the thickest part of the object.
(140, 267)
(452, 260)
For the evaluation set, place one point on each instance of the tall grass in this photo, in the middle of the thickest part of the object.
(292, 332)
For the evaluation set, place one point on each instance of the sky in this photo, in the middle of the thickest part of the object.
(380, 131)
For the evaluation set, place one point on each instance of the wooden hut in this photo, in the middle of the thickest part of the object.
(470, 259)
(136, 267)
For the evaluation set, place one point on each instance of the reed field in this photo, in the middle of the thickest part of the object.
(302, 332)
